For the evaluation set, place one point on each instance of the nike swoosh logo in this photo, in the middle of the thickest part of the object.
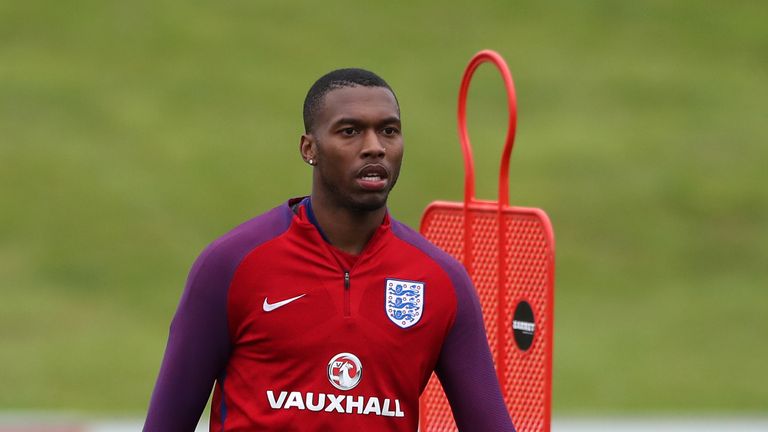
(270, 307)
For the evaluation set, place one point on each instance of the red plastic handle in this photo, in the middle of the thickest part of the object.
(466, 147)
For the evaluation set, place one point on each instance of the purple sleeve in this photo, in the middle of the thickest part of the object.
(199, 343)
(465, 367)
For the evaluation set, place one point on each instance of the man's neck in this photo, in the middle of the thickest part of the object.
(346, 229)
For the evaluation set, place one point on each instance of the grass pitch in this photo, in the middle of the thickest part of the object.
(134, 133)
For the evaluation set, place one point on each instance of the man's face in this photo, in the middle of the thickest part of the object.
(358, 146)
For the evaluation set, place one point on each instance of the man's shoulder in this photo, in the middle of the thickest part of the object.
(448, 263)
(234, 245)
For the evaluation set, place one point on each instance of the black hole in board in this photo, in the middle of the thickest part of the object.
(523, 325)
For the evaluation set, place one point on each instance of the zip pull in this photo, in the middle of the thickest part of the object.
(346, 294)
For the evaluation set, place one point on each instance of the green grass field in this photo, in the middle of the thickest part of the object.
(134, 133)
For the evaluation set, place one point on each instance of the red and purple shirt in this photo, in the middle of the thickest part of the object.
(293, 334)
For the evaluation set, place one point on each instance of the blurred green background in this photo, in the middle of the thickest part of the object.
(134, 133)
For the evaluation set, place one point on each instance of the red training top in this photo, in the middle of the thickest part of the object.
(298, 335)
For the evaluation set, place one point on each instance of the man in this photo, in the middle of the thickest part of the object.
(326, 314)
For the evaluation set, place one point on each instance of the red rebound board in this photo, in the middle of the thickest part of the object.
(509, 254)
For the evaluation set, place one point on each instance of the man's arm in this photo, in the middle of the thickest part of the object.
(465, 367)
(199, 343)
(198, 347)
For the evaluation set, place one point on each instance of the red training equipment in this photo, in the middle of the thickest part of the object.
(509, 254)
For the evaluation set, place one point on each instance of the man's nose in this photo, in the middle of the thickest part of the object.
(372, 145)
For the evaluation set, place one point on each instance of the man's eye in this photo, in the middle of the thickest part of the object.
(349, 131)
(389, 131)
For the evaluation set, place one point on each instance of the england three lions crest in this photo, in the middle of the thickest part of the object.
(404, 301)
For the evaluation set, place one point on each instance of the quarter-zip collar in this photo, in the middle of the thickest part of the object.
(307, 203)
(306, 221)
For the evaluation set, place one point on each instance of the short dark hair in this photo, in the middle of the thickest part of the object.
(339, 78)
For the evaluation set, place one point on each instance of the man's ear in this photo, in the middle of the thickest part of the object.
(307, 148)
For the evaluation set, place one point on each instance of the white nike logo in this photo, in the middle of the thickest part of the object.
(270, 307)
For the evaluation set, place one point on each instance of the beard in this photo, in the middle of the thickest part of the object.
(344, 195)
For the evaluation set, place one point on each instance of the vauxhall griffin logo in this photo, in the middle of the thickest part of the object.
(345, 371)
